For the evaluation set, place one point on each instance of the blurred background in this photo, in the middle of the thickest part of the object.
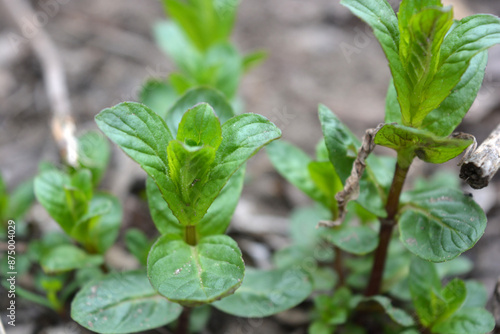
(317, 53)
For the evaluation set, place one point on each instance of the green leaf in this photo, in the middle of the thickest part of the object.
(477, 296)
(469, 37)
(105, 305)
(103, 227)
(380, 16)
(293, 164)
(341, 143)
(138, 245)
(68, 257)
(470, 320)
(443, 120)
(398, 315)
(426, 146)
(424, 285)
(158, 95)
(194, 96)
(392, 108)
(454, 294)
(49, 190)
(253, 59)
(327, 181)
(20, 200)
(195, 275)
(304, 223)
(357, 240)
(218, 214)
(93, 154)
(223, 69)
(267, 292)
(189, 169)
(4, 198)
(200, 126)
(440, 224)
(173, 41)
(426, 31)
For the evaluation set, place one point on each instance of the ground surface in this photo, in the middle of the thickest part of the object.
(318, 53)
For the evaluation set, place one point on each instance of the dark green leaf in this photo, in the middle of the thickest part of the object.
(267, 292)
(440, 224)
(426, 146)
(68, 257)
(93, 154)
(194, 96)
(443, 120)
(341, 143)
(195, 275)
(158, 95)
(122, 303)
(470, 320)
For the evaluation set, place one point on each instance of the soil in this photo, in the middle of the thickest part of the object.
(318, 53)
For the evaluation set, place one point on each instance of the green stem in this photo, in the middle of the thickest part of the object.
(190, 235)
(386, 227)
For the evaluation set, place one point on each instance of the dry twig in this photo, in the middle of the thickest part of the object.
(479, 166)
(63, 126)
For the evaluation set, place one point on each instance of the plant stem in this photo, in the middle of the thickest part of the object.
(338, 266)
(183, 321)
(386, 226)
(190, 235)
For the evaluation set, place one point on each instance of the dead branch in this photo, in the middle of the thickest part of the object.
(63, 126)
(480, 166)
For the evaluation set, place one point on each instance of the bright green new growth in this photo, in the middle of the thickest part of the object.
(192, 263)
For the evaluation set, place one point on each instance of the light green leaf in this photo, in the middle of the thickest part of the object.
(425, 145)
(440, 224)
(470, 320)
(357, 240)
(20, 200)
(105, 305)
(469, 37)
(103, 227)
(392, 108)
(195, 275)
(93, 154)
(253, 59)
(214, 222)
(49, 190)
(424, 286)
(477, 296)
(267, 292)
(200, 126)
(223, 69)
(398, 315)
(341, 143)
(292, 163)
(304, 225)
(194, 96)
(443, 120)
(327, 181)
(158, 95)
(68, 257)
(189, 168)
(426, 31)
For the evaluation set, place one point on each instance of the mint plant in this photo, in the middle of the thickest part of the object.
(437, 66)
